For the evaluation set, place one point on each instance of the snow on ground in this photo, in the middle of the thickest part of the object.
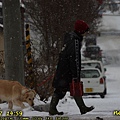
(109, 42)
(103, 107)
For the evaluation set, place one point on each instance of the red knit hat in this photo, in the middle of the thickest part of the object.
(81, 26)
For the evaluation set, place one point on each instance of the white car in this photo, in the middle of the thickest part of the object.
(93, 82)
(94, 64)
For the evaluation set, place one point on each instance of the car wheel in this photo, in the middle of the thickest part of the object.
(105, 91)
(102, 95)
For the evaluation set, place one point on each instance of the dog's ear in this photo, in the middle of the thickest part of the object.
(25, 90)
(26, 95)
(34, 92)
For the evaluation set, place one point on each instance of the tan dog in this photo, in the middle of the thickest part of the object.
(14, 93)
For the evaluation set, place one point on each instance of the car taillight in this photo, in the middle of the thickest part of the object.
(101, 80)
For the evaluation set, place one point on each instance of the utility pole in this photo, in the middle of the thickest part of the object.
(14, 59)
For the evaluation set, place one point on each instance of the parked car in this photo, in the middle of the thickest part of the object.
(93, 82)
(94, 64)
(90, 40)
(93, 52)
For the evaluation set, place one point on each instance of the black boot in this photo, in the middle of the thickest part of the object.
(53, 110)
(83, 108)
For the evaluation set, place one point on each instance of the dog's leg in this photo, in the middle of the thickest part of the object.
(16, 96)
(19, 103)
(10, 105)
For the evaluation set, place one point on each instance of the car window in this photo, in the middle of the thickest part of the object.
(88, 49)
(90, 74)
(91, 65)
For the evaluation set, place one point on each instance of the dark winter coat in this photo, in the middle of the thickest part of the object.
(67, 67)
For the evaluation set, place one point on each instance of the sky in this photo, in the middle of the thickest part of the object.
(104, 108)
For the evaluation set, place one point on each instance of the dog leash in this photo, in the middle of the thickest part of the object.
(44, 81)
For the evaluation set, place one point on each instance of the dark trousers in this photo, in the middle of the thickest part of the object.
(60, 92)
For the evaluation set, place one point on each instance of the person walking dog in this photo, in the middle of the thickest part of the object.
(69, 67)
